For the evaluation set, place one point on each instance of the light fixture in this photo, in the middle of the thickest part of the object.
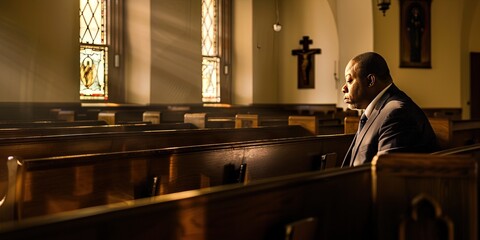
(277, 27)
(383, 5)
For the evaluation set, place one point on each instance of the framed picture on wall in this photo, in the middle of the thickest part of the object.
(415, 50)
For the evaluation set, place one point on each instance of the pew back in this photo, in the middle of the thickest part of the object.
(318, 125)
(57, 145)
(43, 124)
(47, 131)
(50, 185)
(455, 133)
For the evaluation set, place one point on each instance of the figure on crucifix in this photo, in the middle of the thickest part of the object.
(306, 63)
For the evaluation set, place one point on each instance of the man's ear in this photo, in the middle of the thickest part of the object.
(371, 80)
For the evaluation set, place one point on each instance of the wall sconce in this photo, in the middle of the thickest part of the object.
(383, 5)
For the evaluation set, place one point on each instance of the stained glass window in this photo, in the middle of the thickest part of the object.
(210, 49)
(93, 50)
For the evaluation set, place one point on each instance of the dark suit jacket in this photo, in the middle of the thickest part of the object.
(396, 124)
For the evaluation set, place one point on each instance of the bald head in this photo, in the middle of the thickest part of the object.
(372, 63)
(366, 75)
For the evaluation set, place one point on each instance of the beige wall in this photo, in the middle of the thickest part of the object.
(355, 35)
(440, 85)
(264, 67)
(242, 62)
(311, 18)
(39, 51)
(176, 60)
(474, 40)
(137, 51)
(454, 33)
(265, 53)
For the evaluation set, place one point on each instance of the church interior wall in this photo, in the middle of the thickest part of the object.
(443, 84)
(39, 50)
(138, 52)
(242, 44)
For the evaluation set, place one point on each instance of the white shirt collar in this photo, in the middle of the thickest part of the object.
(372, 104)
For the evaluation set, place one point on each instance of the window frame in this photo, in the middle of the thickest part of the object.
(115, 61)
(224, 11)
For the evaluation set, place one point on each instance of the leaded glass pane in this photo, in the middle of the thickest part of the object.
(209, 28)
(93, 50)
(93, 69)
(211, 60)
(211, 79)
(92, 21)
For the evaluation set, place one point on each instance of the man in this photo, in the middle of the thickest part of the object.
(393, 123)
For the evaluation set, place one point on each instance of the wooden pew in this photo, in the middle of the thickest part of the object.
(55, 184)
(255, 120)
(211, 120)
(119, 117)
(318, 125)
(473, 149)
(58, 145)
(315, 124)
(43, 124)
(33, 111)
(416, 190)
(351, 124)
(450, 113)
(455, 133)
(377, 201)
(450, 133)
(47, 131)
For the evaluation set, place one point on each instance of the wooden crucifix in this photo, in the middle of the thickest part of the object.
(306, 63)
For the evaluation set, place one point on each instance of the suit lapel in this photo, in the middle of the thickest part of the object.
(371, 119)
(348, 156)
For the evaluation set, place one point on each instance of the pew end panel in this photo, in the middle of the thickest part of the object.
(108, 116)
(351, 124)
(411, 190)
(153, 117)
(455, 133)
(443, 130)
(64, 115)
(113, 117)
(197, 119)
(246, 120)
(308, 122)
(318, 125)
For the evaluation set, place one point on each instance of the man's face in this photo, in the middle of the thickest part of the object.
(354, 89)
